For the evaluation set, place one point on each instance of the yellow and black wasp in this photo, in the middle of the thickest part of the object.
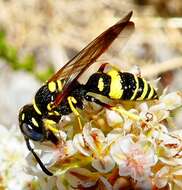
(53, 100)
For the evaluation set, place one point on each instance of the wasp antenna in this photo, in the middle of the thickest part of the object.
(44, 169)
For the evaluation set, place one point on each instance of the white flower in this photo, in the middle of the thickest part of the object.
(153, 114)
(171, 101)
(171, 144)
(169, 175)
(93, 143)
(80, 177)
(134, 143)
(104, 165)
(49, 155)
(160, 111)
(80, 145)
(12, 159)
(134, 159)
(113, 118)
(114, 135)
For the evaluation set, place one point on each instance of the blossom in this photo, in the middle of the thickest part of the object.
(12, 159)
(81, 178)
(160, 111)
(93, 143)
(169, 175)
(113, 118)
(129, 151)
(50, 155)
(134, 158)
(171, 101)
(133, 149)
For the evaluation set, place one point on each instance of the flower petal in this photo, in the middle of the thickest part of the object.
(80, 177)
(80, 145)
(172, 100)
(113, 118)
(103, 165)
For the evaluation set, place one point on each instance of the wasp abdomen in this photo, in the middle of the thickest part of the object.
(121, 86)
(136, 88)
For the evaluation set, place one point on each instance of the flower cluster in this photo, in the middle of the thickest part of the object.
(12, 159)
(116, 149)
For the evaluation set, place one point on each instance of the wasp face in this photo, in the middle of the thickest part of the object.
(31, 124)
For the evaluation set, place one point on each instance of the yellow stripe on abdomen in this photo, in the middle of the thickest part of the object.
(116, 91)
(136, 89)
(151, 93)
(145, 89)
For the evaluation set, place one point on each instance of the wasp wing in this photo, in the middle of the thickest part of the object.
(87, 56)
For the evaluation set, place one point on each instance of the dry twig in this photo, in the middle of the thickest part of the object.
(158, 68)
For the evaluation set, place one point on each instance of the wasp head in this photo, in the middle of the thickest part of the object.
(31, 124)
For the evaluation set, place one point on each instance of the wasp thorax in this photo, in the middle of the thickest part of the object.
(45, 96)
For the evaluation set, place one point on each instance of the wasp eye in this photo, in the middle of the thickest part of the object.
(31, 133)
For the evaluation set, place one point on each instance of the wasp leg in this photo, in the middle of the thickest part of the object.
(118, 109)
(51, 125)
(71, 101)
(122, 111)
(97, 101)
(44, 169)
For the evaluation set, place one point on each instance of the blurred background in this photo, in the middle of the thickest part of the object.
(37, 37)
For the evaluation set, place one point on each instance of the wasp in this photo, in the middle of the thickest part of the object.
(62, 94)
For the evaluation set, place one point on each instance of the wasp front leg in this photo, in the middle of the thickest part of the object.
(97, 101)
